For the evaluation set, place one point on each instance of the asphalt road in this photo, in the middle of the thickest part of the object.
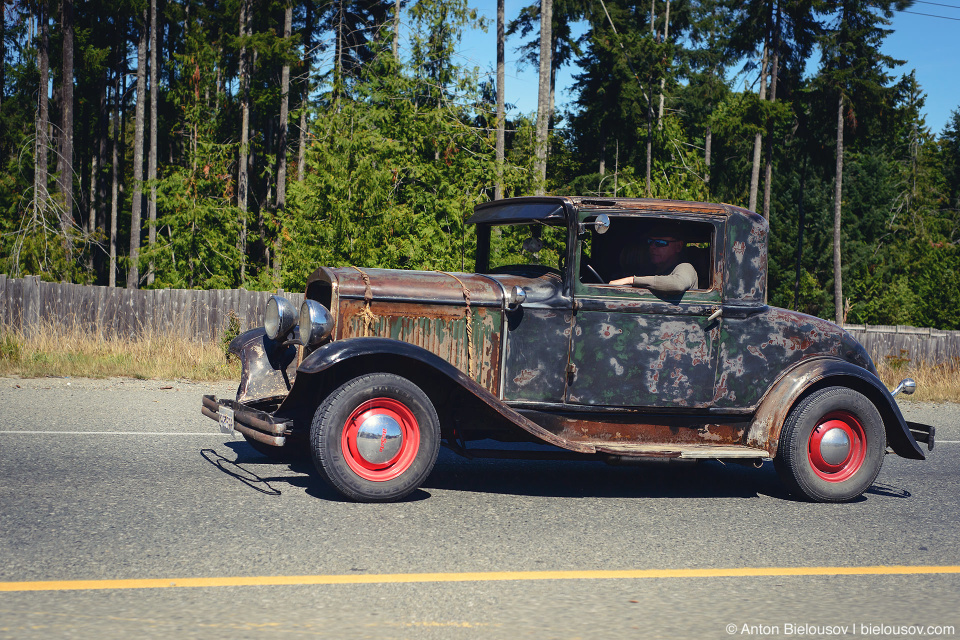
(124, 480)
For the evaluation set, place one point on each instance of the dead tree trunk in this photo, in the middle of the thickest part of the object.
(758, 139)
(305, 90)
(43, 117)
(501, 123)
(837, 193)
(118, 91)
(284, 115)
(774, 69)
(708, 145)
(543, 102)
(653, 35)
(136, 213)
(65, 160)
(663, 80)
(396, 30)
(152, 157)
(242, 177)
(283, 137)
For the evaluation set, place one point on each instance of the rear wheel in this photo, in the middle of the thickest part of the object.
(376, 438)
(831, 446)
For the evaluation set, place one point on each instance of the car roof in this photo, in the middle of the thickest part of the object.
(547, 208)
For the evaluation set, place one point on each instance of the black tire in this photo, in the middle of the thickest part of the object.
(837, 467)
(347, 424)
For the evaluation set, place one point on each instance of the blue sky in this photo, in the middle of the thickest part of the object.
(929, 45)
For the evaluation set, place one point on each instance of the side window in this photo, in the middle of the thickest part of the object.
(636, 248)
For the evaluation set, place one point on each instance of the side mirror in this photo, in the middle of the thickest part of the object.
(601, 224)
(516, 297)
(907, 385)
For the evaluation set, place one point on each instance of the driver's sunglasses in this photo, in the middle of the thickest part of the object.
(659, 242)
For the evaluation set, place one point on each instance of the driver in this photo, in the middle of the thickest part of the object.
(664, 271)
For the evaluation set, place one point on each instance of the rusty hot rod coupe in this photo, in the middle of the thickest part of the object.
(380, 367)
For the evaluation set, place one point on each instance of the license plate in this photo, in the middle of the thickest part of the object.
(226, 419)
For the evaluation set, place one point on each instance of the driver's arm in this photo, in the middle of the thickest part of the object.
(683, 278)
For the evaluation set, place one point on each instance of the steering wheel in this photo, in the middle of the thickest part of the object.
(593, 272)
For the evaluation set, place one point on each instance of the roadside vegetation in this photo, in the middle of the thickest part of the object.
(58, 351)
(935, 383)
(276, 137)
(55, 350)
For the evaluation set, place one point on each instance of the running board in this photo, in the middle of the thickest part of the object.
(693, 451)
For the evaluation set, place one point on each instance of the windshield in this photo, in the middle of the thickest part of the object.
(525, 245)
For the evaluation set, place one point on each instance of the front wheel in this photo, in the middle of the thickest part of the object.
(376, 438)
(831, 446)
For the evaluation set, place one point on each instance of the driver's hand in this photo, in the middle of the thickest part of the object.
(623, 281)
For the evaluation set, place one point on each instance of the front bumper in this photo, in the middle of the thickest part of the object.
(923, 433)
(252, 423)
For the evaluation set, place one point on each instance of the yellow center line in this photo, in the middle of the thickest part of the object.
(491, 576)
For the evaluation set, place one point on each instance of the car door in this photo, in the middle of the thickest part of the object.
(630, 347)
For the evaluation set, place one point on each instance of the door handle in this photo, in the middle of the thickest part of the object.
(716, 314)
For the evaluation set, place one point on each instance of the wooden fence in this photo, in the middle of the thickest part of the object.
(28, 302)
(905, 343)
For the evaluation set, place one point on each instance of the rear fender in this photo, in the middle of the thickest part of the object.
(335, 361)
(810, 375)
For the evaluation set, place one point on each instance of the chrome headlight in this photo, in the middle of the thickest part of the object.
(280, 319)
(316, 323)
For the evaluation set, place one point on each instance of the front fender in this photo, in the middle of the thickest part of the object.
(267, 366)
(810, 375)
(369, 353)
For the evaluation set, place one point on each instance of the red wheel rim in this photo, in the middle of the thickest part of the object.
(835, 427)
(409, 434)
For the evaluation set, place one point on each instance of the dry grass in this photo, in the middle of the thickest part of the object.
(935, 383)
(56, 350)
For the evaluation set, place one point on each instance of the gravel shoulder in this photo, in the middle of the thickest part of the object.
(108, 404)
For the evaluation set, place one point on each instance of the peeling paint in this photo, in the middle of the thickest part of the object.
(607, 331)
(525, 376)
(617, 367)
(738, 249)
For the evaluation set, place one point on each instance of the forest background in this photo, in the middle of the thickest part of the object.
(243, 143)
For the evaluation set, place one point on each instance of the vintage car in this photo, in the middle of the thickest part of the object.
(380, 367)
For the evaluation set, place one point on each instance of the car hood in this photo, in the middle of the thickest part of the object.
(396, 285)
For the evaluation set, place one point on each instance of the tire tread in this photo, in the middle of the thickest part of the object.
(791, 461)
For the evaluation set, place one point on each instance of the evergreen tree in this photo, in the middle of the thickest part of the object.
(855, 71)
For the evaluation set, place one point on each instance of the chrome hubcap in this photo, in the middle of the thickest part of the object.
(379, 439)
(835, 446)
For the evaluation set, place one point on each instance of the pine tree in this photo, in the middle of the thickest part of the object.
(855, 71)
